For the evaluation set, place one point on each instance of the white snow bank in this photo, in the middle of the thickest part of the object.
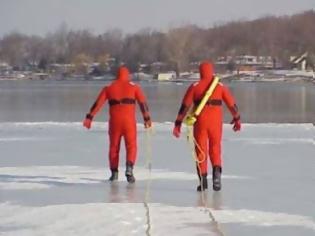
(133, 219)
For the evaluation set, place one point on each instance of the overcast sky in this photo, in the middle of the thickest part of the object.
(42, 16)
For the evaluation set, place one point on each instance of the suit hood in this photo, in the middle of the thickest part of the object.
(123, 73)
(206, 70)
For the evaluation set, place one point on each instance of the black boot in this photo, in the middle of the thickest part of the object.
(114, 175)
(216, 177)
(203, 183)
(129, 173)
(202, 180)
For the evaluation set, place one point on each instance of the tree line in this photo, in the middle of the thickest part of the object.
(279, 37)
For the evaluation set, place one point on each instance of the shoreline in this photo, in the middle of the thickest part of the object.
(268, 79)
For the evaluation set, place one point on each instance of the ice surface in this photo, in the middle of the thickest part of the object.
(53, 182)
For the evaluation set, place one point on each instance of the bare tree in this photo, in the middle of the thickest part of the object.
(81, 63)
(13, 49)
(178, 43)
(279, 37)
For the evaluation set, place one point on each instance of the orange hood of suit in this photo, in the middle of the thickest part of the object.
(122, 74)
(206, 71)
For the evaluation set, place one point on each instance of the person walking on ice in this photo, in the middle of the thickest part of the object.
(122, 95)
(207, 130)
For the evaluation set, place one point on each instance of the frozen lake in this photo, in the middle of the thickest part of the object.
(53, 172)
(52, 181)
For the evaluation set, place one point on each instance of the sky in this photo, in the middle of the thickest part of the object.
(42, 16)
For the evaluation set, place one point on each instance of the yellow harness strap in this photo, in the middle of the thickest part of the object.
(191, 118)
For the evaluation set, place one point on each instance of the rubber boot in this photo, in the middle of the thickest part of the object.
(203, 183)
(129, 173)
(216, 177)
(202, 180)
(114, 175)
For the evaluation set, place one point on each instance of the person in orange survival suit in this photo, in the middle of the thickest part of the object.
(208, 127)
(122, 96)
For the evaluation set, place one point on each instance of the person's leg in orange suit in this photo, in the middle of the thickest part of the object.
(130, 136)
(131, 143)
(215, 147)
(201, 149)
(215, 136)
(114, 147)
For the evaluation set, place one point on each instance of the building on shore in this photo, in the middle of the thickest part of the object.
(303, 62)
(5, 68)
(165, 76)
(245, 63)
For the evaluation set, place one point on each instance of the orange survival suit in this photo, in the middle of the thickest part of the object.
(122, 96)
(208, 127)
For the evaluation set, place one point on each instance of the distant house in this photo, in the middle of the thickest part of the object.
(160, 67)
(165, 76)
(5, 68)
(245, 62)
(145, 68)
(61, 68)
(302, 62)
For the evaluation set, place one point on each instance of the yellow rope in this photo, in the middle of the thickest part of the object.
(193, 143)
(148, 164)
(148, 134)
(191, 139)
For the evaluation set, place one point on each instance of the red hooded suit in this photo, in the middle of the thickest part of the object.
(122, 96)
(208, 127)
